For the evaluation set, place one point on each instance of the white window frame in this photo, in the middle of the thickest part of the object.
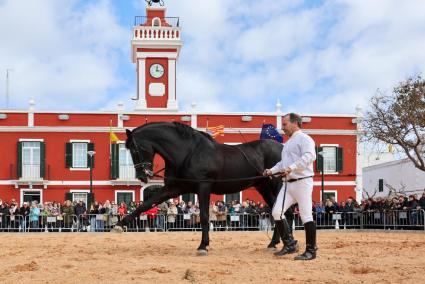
(146, 185)
(78, 141)
(133, 198)
(87, 191)
(335, 191)
(240, 197)
(196, 198)
(30, 140)
(21, 194)
(336, 158)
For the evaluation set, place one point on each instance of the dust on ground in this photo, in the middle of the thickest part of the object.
(234, 257)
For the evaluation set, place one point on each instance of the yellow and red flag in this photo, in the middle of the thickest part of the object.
(112, 136)
(216, 131)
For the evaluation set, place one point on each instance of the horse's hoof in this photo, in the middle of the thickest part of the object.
(117, 229)
(202, 252)
(272, 247)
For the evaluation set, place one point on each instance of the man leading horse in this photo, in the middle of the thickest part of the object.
(296, 168)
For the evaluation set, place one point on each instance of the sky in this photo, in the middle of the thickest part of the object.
(238, 56)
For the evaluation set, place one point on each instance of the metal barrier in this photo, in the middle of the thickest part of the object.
(59, 223)
(394, 220)
(12, 223)
(387, 220)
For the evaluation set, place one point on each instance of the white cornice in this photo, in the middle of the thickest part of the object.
(153, 111)
(116, 129)
(113, 182)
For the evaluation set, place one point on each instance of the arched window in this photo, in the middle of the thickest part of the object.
(156, 22)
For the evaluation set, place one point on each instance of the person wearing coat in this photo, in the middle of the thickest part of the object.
(68, 214)
(213, 215)
(171, 215)
(221, 215)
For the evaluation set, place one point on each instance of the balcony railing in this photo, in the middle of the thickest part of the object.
(31, 172)
(163, 33)
(169, 21)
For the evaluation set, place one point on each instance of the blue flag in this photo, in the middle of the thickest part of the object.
(270, 132)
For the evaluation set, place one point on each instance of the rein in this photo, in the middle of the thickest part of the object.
(156, 174)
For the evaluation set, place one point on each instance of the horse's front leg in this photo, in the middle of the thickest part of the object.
(204, 201)
(163, 195)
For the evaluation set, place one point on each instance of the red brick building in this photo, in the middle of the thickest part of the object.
(44, 153)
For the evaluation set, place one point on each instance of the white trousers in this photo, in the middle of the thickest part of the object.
(296, 192)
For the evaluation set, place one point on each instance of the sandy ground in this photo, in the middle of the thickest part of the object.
(234, 257)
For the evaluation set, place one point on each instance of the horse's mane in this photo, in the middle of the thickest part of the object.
(186, 131)
(183, 130)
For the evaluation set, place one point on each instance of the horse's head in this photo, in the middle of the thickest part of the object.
(142, 154)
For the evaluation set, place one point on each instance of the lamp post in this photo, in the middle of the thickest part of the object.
(91, 154)
(323, 175)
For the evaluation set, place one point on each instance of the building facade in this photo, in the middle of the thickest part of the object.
(394, 177)
(45, 153)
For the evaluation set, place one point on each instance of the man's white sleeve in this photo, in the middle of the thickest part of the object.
(308, 155)
(277, 168)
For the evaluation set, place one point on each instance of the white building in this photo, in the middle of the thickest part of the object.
(399, 176)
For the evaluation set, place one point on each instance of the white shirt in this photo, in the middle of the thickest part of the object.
(298, 154)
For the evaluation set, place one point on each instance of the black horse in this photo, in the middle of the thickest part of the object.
(196, 163)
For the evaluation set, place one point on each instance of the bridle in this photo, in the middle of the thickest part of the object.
(144, 166)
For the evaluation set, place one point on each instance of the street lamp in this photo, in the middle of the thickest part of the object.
(323, 175)
(91, 154)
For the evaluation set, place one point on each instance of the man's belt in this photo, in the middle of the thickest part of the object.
(297, 179)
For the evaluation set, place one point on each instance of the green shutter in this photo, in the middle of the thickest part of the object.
(319, 159)
(42, 159)
(90, 200)
(340, 159)
(380, 185)
(19, 160)
(68, 196)
(115, 159)
(68, 155)
(90, 147)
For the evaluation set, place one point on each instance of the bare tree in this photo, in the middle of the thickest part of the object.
(399, 119)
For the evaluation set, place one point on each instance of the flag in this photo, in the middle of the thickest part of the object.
(112, 136)
(270, 132)
(215, 131)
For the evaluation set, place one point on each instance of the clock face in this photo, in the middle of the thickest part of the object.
(156, 70)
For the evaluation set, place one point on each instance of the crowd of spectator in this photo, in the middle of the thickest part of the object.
(401, 209)
(248, 215)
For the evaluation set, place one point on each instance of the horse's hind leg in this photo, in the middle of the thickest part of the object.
(204, 200)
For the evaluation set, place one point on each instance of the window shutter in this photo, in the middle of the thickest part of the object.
(68, 155)
(90, 147)
(42, 159)
(339, 159)
(68, 196)
(19, 160)
(90, 200)
(115, 158)
(319, 159)
(380, 185)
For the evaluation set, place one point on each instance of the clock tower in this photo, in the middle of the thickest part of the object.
(155, 49)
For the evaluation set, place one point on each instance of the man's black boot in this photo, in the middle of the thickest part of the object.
(310, 237)
(289, 244)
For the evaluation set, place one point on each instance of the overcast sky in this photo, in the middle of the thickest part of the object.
(238, 55)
